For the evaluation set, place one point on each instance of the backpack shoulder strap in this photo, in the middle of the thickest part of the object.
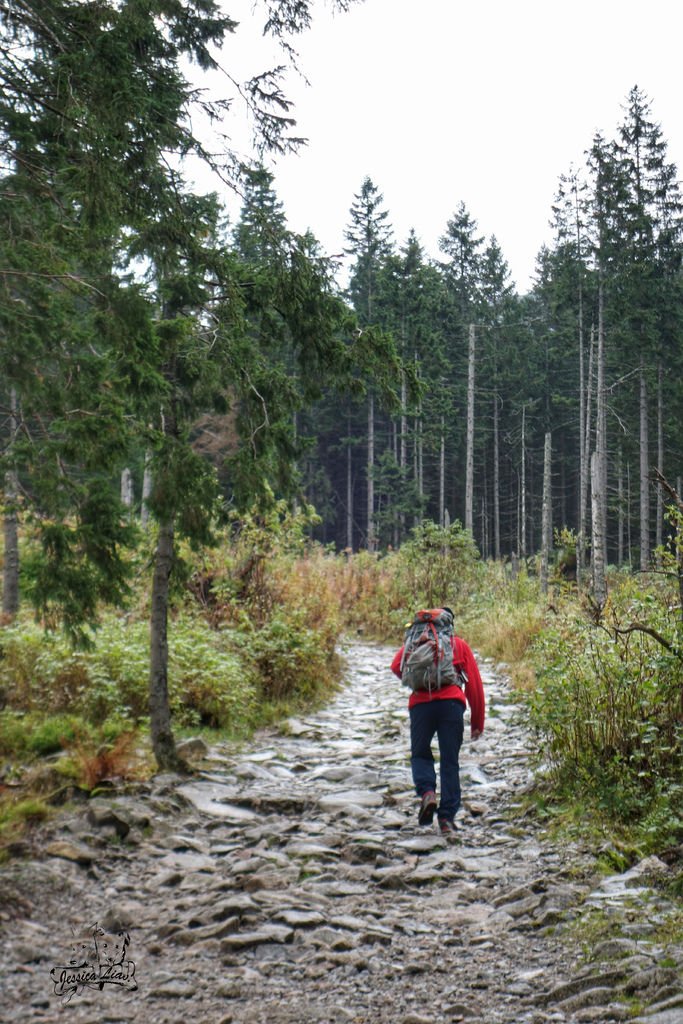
(459, 657)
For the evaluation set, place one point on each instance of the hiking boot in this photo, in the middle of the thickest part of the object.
(427, 808)
(447, 828)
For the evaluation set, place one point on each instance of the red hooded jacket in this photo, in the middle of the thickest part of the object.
(474, 688)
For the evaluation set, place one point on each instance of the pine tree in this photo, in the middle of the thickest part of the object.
(498, 309)
(650, 222)
(572, 249)
(92, 182)
(369, 236)
(461, 277)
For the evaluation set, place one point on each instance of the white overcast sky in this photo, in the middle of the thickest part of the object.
(486, 102)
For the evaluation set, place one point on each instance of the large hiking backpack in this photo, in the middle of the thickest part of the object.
(427, 662)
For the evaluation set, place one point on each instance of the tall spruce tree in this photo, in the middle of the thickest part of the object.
(651, 231)
(498, 310)
(94, 101)
(463, 249)
(370, 242)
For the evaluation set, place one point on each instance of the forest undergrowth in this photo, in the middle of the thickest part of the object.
(255, 637)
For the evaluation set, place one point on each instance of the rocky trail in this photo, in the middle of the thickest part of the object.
(288, 881)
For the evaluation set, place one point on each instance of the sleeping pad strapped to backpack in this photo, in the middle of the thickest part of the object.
(427, 662)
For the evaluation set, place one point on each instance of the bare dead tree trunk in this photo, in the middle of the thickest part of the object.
(620, 500)
(580, 542)
(629, 537)
(484, 545)
(644, 475)
(585, 463)
(442, 473)
(598, 529)
(146, 489)
(127, 488)
(496, 481)
(660, 456)
(403, 449)
(469, 458)
(546, 518)
(418, 454)
(403, 454)
(679, 550)
(349, 489)
(371, 539)
(522, 523)
(10, 574)
(420, 465)
(601, 423)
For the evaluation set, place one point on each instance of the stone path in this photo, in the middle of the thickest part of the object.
(289, 882)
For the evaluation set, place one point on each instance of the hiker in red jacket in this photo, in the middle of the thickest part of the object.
(440, 709)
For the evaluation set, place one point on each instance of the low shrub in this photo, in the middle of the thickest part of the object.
(52, 734)
(212, 681)
(607, 707)
(14, 733)
(291, 659)
(17, 816)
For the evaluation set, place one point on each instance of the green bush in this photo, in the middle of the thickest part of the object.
(41, 672)
(51, 735)
(14, 733)
(607, 706)
(291, 660)
(212, 681)
(438, 565)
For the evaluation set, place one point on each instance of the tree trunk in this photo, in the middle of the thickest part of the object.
(371, 540)
(403, 457)
(418, 453)
(10, 588)
(585, 467)
(660, 456)
(598, 531)
(601, 424)
(163, 743)
(420, 465)
(127, 488)
(679, 552)
(349, 490)
(522, 514)
(403, 438)
(629, 537)
(469, 461)
(442, 473)
(644, 474)
(620, 500)
(496, 481)
(146, 489)
(546, 518)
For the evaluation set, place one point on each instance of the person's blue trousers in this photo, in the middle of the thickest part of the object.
(445, 718)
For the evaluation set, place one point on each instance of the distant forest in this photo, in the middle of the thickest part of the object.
(591, 357)
(159, 362)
